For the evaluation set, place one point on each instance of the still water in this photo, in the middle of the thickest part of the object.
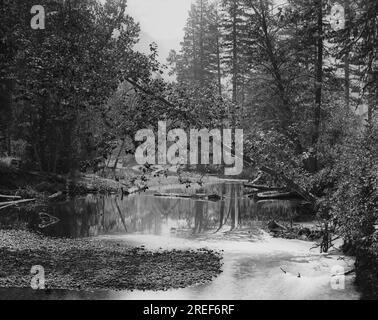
(256, 266)
(147, 214)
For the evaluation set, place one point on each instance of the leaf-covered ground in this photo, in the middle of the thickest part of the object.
(91, 264)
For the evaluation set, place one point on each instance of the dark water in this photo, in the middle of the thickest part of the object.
(96, 215)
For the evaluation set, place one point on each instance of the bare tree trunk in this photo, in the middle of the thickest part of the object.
(347, 57)
(201, 46)
(118, 155)
(195, 77)
(319, 73)
(219, 71)
(37, 157)
(234, 54)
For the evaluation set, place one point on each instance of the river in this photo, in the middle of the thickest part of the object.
(255, 265)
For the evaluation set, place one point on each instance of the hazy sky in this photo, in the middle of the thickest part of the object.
(163, 20)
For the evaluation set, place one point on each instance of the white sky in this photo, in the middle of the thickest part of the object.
(163, 20)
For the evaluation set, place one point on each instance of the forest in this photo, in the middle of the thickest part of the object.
(300, 77)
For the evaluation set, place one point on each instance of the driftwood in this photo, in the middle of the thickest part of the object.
(291, 185)
(47, 220)
(251, 192)
(258, 178)
(9, 197)
(211, 197)
(4, 205)
(262, 187)
(134, 190)
(278, 196)
(177, 195)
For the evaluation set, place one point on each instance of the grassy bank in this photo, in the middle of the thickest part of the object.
(93, 265)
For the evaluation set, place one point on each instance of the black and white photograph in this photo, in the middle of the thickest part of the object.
(188, 155)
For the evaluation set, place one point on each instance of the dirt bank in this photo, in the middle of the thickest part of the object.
(93, 265)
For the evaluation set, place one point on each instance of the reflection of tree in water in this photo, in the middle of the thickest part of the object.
(230, 208)
(200, 217)
(227, 212)
(237, 211)
(96, 215)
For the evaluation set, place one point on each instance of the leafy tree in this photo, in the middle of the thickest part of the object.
(64, 74)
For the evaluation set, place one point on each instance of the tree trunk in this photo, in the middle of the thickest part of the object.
(219, 71)
(319, 73)
(347, 56)
(201, 47)
(195, 77)
(234, 54)
(118, 155)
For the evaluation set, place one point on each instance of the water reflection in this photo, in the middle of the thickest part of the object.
(144, 213)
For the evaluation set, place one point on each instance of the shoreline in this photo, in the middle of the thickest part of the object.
(89, 264)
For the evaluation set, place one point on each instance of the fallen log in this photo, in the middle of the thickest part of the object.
(274, 201)
(134, 190)
(4, 205)
(178, 195)
(291, 184)
(252, 192)
(211, 197)
(263, 188)
(9, 197)
(278, 196)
